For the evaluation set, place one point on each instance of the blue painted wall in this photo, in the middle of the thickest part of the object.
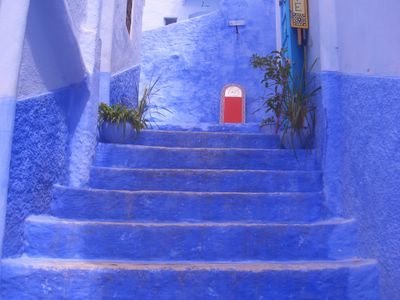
(357, 128)
(43, 127)
(125, 86)
(197, 57)
(370, 109)
(358, 136)
(56, 118)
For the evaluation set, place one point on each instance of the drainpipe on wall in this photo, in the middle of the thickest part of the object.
(13, 15)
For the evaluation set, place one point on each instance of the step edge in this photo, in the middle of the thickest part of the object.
(121, 169)
(198, 149)
(217, 133)
(241, 266)
(135, 192)
(48, 219)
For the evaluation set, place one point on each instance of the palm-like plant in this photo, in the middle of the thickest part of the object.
(291, 99)
(299, 107)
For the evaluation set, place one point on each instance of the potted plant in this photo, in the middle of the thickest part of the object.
(119, 123)
(291, 100)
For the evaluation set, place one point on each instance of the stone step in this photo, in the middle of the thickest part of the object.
(67, 238)
(129, 156)
(251, 127)
(194, 139)
(28, 278)
(162, 206)
(254, 181)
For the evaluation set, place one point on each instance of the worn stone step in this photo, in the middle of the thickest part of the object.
(206, 180)
(167, 206)
(29, 278)
(251, 127)
(129, 156)
(193, 139)
(68, 238)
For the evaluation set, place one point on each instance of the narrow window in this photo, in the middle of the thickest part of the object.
(168, 21)
(129, 15)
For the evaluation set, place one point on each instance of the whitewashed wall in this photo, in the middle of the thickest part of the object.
(155, 10)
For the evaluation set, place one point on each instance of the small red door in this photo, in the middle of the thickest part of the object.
(232, 106)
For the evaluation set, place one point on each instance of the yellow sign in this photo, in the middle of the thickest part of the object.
(299, 14)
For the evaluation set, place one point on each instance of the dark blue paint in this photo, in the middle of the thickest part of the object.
(58, 238)
(119, 135)
(362, 163)
(147, 206)
(213, 127)
(39, 159)
(130, 156)
(124, 87)
(75, 280)
(160, 224)
(206, 180)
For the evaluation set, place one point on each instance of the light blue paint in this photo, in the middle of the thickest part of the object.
(196, 58)
(365, 46)
(82, 143)
(126, 47)
(12, 19)
(51, 57)
(104, 84)
(7, 115)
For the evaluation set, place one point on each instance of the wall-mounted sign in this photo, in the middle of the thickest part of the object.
(237, 23)
(299, 14)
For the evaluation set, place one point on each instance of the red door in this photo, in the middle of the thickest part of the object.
(232, 105)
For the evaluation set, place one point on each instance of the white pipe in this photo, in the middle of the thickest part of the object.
(13, 16)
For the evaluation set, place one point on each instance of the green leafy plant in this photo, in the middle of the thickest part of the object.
(291, 99)
(122, 114)
(277, 70)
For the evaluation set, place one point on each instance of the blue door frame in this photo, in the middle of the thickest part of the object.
(295, 53)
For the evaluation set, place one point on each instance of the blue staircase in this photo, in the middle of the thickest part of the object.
(192, 215)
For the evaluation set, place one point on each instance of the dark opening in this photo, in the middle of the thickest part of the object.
(168, 21)
(129, 15)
